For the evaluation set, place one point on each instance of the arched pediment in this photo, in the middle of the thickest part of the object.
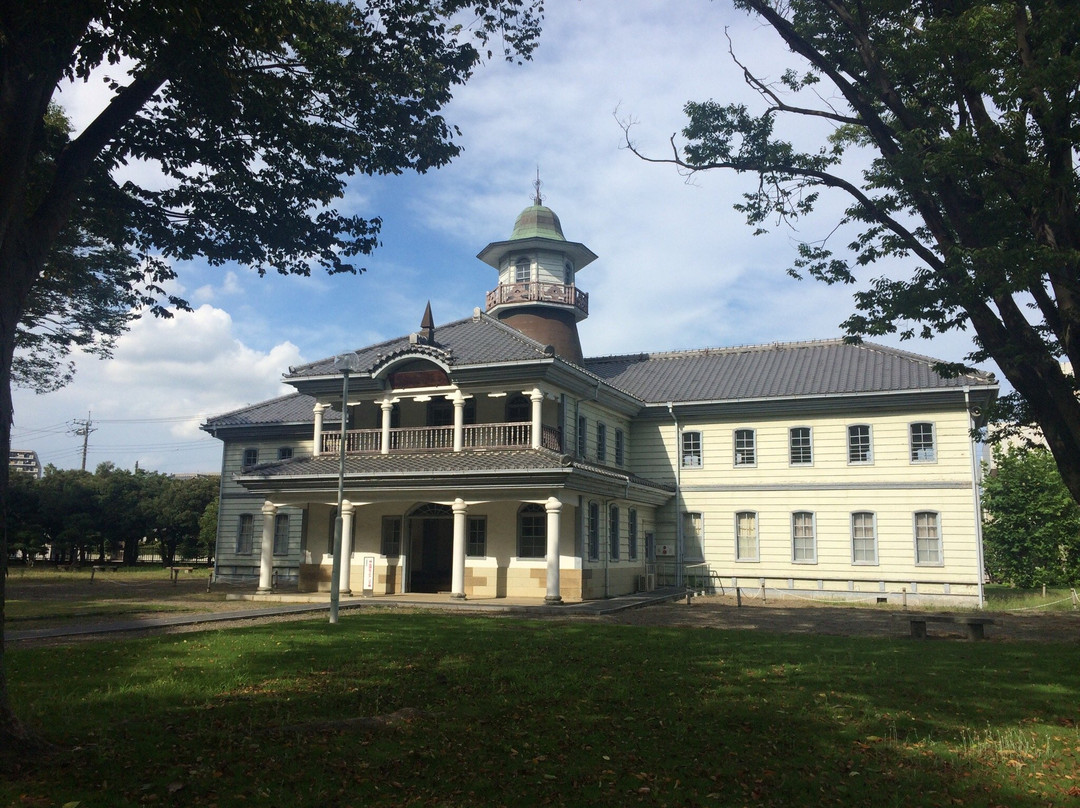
(415, 366)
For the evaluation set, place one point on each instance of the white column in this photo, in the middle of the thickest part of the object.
(554, 509)
(537, 399)
(457, 582)
(346, 546)
(266, 552)
(387, 408)
(459, 420)
(318, 409)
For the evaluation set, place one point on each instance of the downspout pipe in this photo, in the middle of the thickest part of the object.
(976, 489)
(679, 551)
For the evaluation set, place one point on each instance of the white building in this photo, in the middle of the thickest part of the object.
(488, 457)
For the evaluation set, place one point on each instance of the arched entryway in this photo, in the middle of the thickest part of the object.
(431, 548)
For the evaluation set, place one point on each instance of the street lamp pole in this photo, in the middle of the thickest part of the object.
(346, 363)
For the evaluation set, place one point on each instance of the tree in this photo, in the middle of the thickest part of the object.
(970, 111)
(177, 512)
(208, 522)
(88, 291)
(1032, 529)
(254, 115)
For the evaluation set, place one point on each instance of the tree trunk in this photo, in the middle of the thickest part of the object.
(14, 737)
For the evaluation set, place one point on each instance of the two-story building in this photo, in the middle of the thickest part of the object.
(488, 457)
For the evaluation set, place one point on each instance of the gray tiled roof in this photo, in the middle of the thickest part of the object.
(506, 461)
(293, 408)
(828, 367)
(472, 341)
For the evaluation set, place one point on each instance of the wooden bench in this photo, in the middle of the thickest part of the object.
(102, 568)
(974, 625)
(174, 572)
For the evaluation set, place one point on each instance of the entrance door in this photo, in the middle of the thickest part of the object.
(431, 552)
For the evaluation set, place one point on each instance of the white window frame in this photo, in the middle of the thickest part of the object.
(689, 518)
(873, 537)
(915, 454)
(592, 530)
(808, 448)
(740, 556)
(739, 452)
(620, 447)
(395, 526)
(869, 461)
(691, 449)
(582, 436)
(795, 527)
(281, 534)
(614, 539)
(532, 520)
(253, 453)
(245, 538)
(519, 263)
(601, 442)
(476, 537)
(936, 538)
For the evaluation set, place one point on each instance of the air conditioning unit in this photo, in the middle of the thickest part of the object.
(641, 583)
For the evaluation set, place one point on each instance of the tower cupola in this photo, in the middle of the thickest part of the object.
(537, 292)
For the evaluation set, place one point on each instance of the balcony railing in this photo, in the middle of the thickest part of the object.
(517, 435)
(567, 294)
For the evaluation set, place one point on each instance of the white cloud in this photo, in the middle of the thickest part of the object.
(165, 378)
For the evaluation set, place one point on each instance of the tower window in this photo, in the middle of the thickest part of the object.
(568, 270)
(522, 271)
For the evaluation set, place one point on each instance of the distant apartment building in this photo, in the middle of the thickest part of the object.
(24, 461)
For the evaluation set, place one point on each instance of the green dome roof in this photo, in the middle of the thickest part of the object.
(537, 221)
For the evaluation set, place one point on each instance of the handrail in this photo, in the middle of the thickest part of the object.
(508, 435)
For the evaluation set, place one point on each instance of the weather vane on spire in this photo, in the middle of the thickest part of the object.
(538, 199)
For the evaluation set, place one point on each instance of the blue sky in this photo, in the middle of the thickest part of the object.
(677, 268)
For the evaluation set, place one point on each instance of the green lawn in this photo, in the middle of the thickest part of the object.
(472, 711)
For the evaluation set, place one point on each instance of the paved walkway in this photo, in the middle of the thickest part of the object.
(301, 604)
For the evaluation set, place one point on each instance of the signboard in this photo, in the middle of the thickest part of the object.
(369, 575)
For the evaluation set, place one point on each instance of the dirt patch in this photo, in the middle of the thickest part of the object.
(723, 613)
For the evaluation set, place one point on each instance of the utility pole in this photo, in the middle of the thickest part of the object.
(84, 428)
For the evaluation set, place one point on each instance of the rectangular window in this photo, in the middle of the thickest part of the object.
(859, 446)
(592, 529)
(251, 458)
(746, 538)
(691, 449)
(477, 537)
(532, 532)
(693, 537)
(922, 443)
(863, 538)
(391, 536)
(281, 534)
(928, 538)
(803, 541)
(613, 532)
(620, 447)
(745, 450)
(582, 436)
(799, 446)
(245, 531)
(522, 271)
(601, 442)
(631, 534)
(284, 453)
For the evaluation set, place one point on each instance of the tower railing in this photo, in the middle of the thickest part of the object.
(533, 292)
